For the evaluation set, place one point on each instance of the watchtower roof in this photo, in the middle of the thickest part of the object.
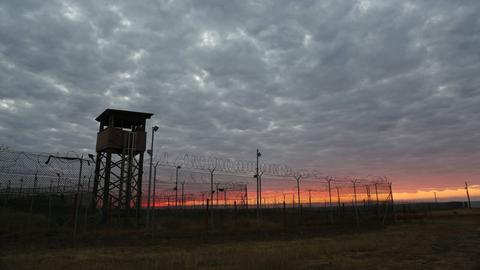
(123, 118)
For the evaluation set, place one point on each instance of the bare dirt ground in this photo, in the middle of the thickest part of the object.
(447, 240)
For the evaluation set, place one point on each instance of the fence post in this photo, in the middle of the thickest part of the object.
(310, 199)
(468, 195)
(329, 190)
(49, 211)
(77, 200)
(246, 197)
(393, 203)
(338, 196)
(5, 202)
(7, 195)
(356, 214)
(235, 210)
(85, 221)
(75, 216)
(86, 205)
(31, 212)
(207, 215)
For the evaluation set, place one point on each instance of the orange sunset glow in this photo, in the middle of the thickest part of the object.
(291, 196)
(446, 194)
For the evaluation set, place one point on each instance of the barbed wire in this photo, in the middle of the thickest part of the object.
(246, 167)
(36, 170)
(39, 170)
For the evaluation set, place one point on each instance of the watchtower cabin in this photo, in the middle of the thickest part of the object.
(121, 143)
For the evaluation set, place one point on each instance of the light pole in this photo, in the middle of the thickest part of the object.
(183, 194)
(211, 184)
(176, 185)
(154, 182)
(260, 185)
(154, 129)
(257, 176)
(216, 185)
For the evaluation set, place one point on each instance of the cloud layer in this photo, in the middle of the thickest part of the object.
(346, 87)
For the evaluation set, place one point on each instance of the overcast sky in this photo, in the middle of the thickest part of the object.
(346, 87)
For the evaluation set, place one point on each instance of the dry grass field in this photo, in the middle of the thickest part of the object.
(447, 240)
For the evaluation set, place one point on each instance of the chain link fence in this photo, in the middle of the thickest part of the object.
(41, 192)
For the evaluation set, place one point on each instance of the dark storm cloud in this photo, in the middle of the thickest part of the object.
(380, 87)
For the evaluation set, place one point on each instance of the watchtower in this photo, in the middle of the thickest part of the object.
(121, 143)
